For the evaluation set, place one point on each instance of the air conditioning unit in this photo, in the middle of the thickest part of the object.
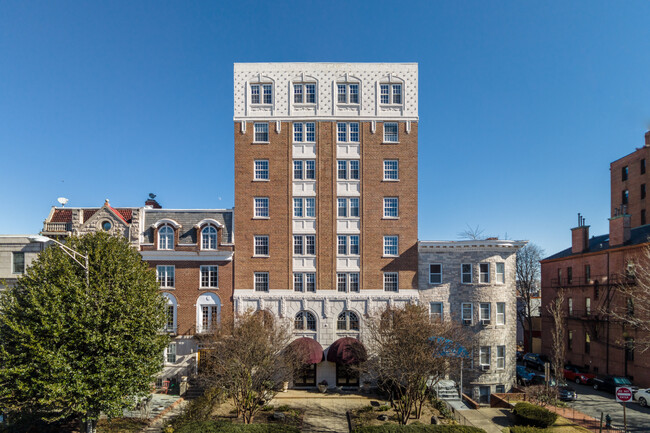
(485, 322)
(467, 321)
(485, 367)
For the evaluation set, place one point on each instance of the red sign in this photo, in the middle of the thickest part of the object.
(623, 394)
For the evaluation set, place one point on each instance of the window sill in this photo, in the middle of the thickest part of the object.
(390, 218)
(261, 180)
(261, 218)
(261, 256)
(167, 288)
(390, 142)
(390, 180)
(208, 288)
(303, 142)
(261, 142)
(348, 142)
(435, 284)
(386, 256)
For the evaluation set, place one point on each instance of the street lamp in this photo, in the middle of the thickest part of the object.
(66, 249)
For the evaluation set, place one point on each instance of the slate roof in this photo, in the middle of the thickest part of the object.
(187, 219)
(638, 235)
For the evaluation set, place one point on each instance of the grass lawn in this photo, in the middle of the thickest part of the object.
(121, 425)
(369, 415)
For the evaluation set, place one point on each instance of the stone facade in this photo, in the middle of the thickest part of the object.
(14, 250)
(443, 285)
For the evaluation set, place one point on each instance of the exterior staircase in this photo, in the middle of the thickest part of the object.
(446, 390)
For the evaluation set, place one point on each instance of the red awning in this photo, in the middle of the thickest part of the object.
(308, 349)
(346, 350)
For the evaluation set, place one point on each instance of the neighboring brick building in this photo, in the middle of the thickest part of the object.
(629, 178)
(473, 282)
(325, 195)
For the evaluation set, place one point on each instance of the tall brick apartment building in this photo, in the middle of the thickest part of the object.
(326, 209)
(589, 273)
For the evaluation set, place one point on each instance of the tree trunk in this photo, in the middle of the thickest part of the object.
(88, 425)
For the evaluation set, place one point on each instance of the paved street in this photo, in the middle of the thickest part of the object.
(594, 402)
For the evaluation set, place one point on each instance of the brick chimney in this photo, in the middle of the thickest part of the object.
(152, 203)
(619, 228)
(580, 237)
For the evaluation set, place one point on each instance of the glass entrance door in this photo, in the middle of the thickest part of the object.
(346, 376)
(306, 376)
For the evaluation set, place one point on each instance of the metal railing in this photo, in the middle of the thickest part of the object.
(58, 227)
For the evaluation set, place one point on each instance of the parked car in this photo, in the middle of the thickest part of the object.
(535, 361)
(642, 396)
(566, 393)
(609, 383)
(540, 379)
(524, 375)
(577, 374)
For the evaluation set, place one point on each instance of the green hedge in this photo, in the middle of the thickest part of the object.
(227, 427)
(420, 428)
(526, 429)
(530, 415)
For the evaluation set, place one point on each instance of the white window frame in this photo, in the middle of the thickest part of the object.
(261, 241)
(171, 302)
(501, 357)
(206, 274)
(261, 207)
(435, 315)
(304, 245)
(391, 205)
(210, 238)
(393, 91)
(163, 276)
(387, 277)
(301, 282)
(348, 207)
(302, 206)
(500, 275)
(501, 315)
(432, 274)
(304, 317)
(348, 171)
(305, 173)
(166, 238)
(170, 353)
(484, 276)
(260, 132)
(471, 312)
(262, 94)
(484, 350)
(347, 279)
(261, 169)
(348, 245)
(261, 282)
(388, 137)
(347, 87)
(345, 132)
(303, 93)
(304, 132)
(207, 306)
(481, 311)
(388, 170)
(345, 318)
(463, 274)
(391, 242)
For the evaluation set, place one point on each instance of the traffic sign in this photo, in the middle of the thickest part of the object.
(623, 394)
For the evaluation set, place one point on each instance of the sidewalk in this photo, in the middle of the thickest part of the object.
(582, 419)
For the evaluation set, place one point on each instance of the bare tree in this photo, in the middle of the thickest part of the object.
(409, 353)
(556, 310)
(528, 275)
(249, 359)
(472, 233)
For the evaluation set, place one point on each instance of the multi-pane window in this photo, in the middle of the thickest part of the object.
(348, 245)
(304, 132)
(304, 282)
(261, 207)
(588, 273)
(391, 169)
(348, 207)
(435, 273)
(347, 321)
(347, 169)
(171, 353)
(347, 93)
(304, 93)
(171, 310)
(261, 245)
(501, 357)
(304, 245)
(501, 313)
(209, 317)
(304, 207)
(466, 273)
(304, 170)
(484, 355)
(261, 94)
(261, 132)
(484, 272)
(305, 321)
(624, 173)
(209, 238)
(484, 311)
(391, 207)
(501, 273)
(347, 132)
(391, 245)
(587, 306)
(391, 282)
(210, 276)
(435, 311)
(466, 312)
(165, 274)
(166, 238)
(390, 132)
(261, 169)
(261, 281)
(570, 306)
(347, 281)
(391, 93)
(18, 262)
(625, 195)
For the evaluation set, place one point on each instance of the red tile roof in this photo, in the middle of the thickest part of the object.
(89, 213)
(61, 216)
(125, 214)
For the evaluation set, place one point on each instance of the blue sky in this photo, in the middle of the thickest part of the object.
(523, 105)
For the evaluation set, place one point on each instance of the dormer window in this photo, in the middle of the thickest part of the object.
(261, 93)
(166, 238)
(391, 94)
(304, 93)
(209, 238)
(347, 93)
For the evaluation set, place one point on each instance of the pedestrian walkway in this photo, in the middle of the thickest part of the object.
(582, 419)
(160, 421)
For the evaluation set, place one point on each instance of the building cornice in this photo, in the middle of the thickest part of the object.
(469, 245)
(199, 256)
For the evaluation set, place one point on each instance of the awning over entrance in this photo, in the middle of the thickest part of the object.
(308, 349)
(346, 350)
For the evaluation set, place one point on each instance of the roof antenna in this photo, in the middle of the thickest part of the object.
(62, 201)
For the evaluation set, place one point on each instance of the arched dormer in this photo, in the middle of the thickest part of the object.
(208, 230)
(165, 233)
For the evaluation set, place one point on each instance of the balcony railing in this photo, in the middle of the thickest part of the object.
(58, 227)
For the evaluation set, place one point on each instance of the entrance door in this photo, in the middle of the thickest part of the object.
(485, 394)
(306, 376)
(346, 376)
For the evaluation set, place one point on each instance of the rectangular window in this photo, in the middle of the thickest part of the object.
(391, 207)
(165, 275)
(261, 281)
(298, 133)
(304, 132)
(570, 304)
(466, 273)
(354, 281)
(342, 282)
(342, 245)
(310, 207)
(588, 273)
(348, 245)
(347, 132)
(587, 306)
(310, 135)
(261, 245)
(390, 132)
(171, 353)
(354, 245)
(298, 247)
(255, 94)
(261, 169)
(391, 282)
(484, 272)
(310, 245)
(397, 93)
(297, 94)
(643, 190)
(297, 282)
(304, 207)
(501, 313)
(354, 93)
(624, 173)
(354, 207)
(466, 313)
(643, 220)
(624, 196)
(18, 262)
(347, 281)
(261, 207)
(310, 169)
(484, 311)
(391, 169)
(385, 93)
(297, 207)
(170, 318)
(587, 343)
(261, 132)
(354, 169)
(501, 273)
(569, 275)
(643, 166)
(436, 311)
(267, 89)
(297, 169)
(310, 282)
(210, 276)
(391, 247)
(342, 207)
(570, 340)
(304, 170)
(484, 356)
(310, 93)
(348, 207)
(304, 245)
(435, 273)
(342, 94)
(342, 169)
(501, 357)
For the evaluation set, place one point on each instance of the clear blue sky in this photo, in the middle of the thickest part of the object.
(523, 104)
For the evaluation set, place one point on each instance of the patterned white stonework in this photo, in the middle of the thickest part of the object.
(282, 76)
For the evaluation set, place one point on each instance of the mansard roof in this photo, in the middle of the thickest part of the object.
(188, 219)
